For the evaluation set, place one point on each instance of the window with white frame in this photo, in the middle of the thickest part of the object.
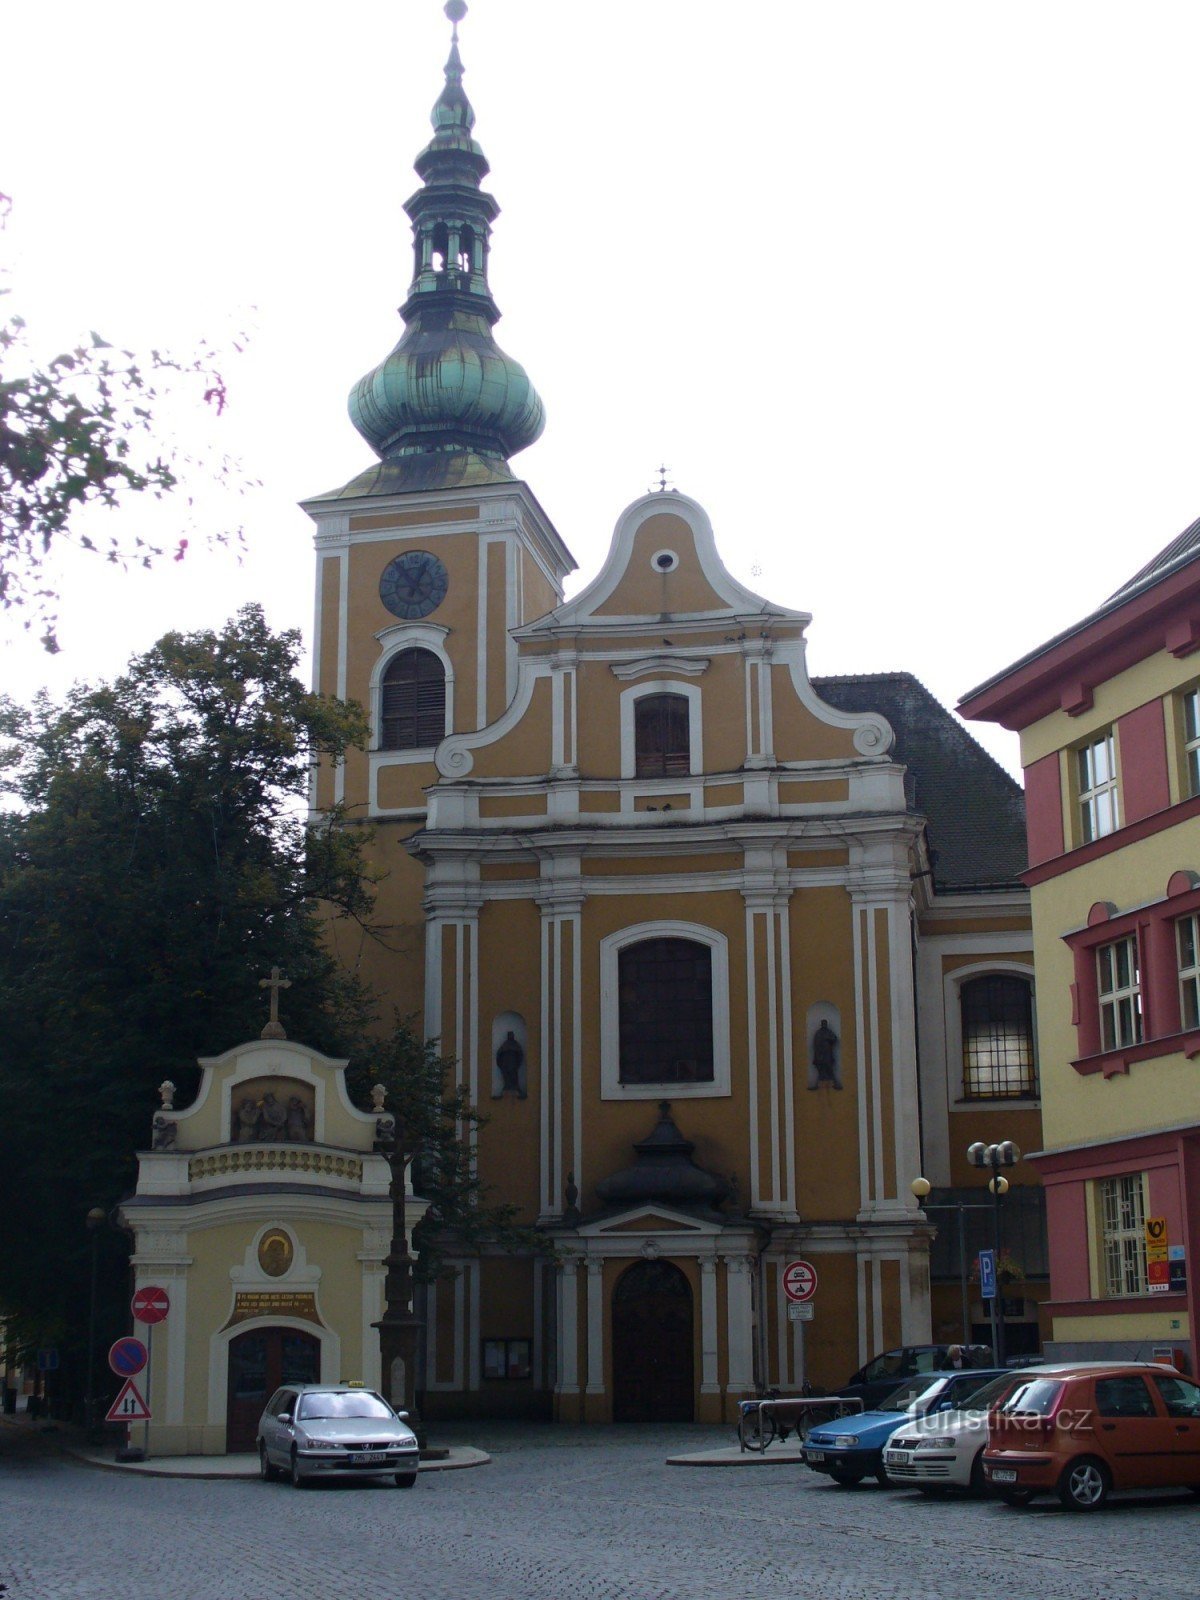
(1120, 991)
(1097, 776)
(664, 1012)
(1122, 1219)
(1187, 941)
(1191, 738)
(997, 1037)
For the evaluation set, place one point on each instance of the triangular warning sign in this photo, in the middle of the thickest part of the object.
(129, 1405)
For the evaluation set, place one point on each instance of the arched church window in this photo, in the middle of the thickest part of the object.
(441, 247)
(466, 249)
(662, 747)
(665, 1012)
(412, 702)
(997, 1037)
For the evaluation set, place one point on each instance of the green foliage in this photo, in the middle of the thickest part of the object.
(161, 863)
(437, 1124)
(85, 430)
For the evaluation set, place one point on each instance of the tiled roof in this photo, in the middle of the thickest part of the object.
(1180, 550)
(975, 810)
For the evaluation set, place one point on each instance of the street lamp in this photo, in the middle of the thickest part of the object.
(399, 1328)
(921, 1188)
(993, 1157)
(95, 1220)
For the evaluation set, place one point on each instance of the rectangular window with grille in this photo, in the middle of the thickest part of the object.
(997, 1037)
(1120, 994)
(1097, 774)
(1122, 1208)
(666, 1013)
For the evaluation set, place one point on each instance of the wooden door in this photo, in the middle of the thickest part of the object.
(258, 1363)
(652, 1345)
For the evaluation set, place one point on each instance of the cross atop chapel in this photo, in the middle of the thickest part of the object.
(274, 1028)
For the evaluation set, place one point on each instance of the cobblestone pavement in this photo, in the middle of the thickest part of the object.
(567, 1514)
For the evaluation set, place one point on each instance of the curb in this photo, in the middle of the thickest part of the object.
(458, 1460)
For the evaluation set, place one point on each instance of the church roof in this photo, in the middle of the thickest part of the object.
(974, 809)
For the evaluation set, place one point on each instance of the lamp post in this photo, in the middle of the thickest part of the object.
(993, 1157)
(921, 1188)
(95, 1219)
(399, 1328)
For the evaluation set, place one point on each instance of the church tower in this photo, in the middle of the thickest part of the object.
(429, 559)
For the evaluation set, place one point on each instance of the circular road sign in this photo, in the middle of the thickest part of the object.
(151, 1304)
(800, 1280)
(127, 1357)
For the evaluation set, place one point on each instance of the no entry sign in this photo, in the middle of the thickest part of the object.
(799, 1280)
(127, 1357)
(151, 1304)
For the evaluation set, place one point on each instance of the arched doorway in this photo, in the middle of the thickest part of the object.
(259, 1362)
(652, 1345)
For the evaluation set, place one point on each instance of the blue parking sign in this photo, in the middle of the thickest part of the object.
(987, 1274)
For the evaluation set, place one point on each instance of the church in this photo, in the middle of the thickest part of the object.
(726, 956)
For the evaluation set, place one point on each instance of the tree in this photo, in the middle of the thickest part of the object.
(85, 430)
(160, 864)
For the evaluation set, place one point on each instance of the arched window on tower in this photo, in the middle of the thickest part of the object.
(665, 1012)
(997, 1037)
(662, 746)
(466, 250)
(412, 702)
(441, 247)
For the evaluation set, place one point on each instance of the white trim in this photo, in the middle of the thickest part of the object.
(952, 982)
(611, 1087)
(629, 697)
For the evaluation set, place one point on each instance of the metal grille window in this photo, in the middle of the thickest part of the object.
(1191, 738)
(1098, 787)
(1120, 994)
(997, 1037)
(413, 702)
(1123, 1233)
(662, 745)
(1187, 938)
(666, 1014)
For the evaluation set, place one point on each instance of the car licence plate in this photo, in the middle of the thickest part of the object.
(814, 1455)
(896, 1458)
(370, 1458)
(1004, 1475)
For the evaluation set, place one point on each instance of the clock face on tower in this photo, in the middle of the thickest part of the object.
(413, 584)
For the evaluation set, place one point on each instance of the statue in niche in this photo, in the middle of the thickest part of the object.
(824, 1056)
(510, 1058)
(245, 1128)
(165, 1132)
(272, 1120)
(572, 1213)
(298, 1131)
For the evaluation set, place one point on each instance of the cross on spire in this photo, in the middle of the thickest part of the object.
(274, 1028)
(662, 479)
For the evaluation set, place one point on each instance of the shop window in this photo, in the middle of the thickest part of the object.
(665, 1016)
(1187, 938)
(662, 745)
(412, 702)
(1097, 779)
(1120, 991)
(1122, 1219)
(997, 1037)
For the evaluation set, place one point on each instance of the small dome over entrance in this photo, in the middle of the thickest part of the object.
(664, 1171)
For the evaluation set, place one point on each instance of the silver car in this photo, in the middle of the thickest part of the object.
(340, 1430)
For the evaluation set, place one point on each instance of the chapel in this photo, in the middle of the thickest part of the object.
(726, 955)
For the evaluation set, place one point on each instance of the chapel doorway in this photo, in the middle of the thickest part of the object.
(258, 1363)
(652, 1345)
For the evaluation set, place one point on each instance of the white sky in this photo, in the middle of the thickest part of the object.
(904, 294)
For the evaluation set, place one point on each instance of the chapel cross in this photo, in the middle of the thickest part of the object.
(274, 1028)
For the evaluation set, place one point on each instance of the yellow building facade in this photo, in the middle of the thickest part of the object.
(697, 930)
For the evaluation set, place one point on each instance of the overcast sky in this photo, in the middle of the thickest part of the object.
(903, 292)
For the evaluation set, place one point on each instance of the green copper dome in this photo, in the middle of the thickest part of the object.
(447, 407)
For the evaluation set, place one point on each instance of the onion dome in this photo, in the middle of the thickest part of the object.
(447, 407)
(665, 1172)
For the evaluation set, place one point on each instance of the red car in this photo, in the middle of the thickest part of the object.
(1080, 1430)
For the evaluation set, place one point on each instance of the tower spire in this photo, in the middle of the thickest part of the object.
(447, 407)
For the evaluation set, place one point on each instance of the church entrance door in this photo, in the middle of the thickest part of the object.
(652, 1345)
(258, 1363)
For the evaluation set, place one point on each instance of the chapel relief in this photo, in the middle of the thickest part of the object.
(271, 1111)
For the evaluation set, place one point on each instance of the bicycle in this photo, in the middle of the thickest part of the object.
(757, 1428)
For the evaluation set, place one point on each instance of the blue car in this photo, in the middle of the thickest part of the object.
(851, 1448)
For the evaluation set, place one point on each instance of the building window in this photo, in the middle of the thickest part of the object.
(1191, 738)
(997, 1037)
(662, 745)
(1123, 1234)
(412, 702)
(1120, 994)
(1098, 787)
(506, 1358)
(665, 1012)
(1187, 938)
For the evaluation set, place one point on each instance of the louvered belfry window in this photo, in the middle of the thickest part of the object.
(413, 702)
(662, 748)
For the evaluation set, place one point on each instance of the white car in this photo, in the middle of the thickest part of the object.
(945, 1450)
(335, 1430)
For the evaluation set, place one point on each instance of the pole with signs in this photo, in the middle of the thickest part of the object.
(150, 1304)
